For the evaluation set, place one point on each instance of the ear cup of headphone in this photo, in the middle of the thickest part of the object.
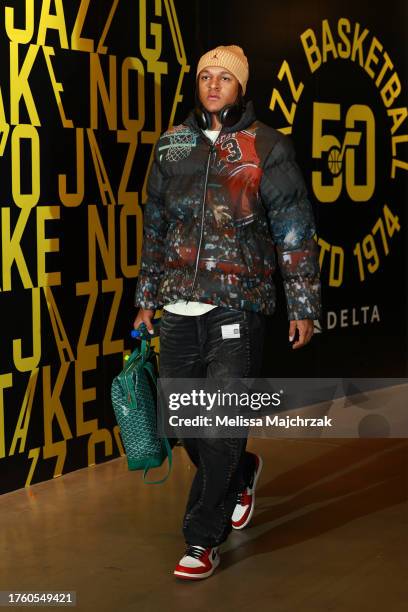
(230, 114)
(203, 118)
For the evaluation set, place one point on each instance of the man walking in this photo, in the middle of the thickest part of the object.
(225, 195)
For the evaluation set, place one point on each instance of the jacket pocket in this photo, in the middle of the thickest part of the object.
(256, 247)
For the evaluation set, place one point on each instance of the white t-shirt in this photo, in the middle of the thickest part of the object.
(182, 307)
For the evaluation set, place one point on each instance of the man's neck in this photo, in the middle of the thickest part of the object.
(216, 124)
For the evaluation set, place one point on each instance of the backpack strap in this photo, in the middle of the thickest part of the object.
(149, 368)
(170, 461)
(144, 349)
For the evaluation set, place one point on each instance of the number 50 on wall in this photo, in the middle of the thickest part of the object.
(340, 157)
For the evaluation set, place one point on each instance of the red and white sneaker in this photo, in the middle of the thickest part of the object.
(244, 509)
(198, 562)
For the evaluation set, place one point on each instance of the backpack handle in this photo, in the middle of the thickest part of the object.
(170, 460)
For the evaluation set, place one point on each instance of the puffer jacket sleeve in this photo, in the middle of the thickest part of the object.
(292, 226)
(155, 226)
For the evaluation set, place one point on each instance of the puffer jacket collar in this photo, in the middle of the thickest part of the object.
(247, 118)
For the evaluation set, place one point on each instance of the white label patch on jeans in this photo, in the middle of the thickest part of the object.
(230, 331)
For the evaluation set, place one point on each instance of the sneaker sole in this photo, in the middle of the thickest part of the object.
(187, 576)
(253, 495)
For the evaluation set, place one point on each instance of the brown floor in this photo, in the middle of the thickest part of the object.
(329, 534)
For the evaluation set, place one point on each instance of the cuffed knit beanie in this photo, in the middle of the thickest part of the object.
(232, 58)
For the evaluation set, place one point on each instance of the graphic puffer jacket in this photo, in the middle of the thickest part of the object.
(217, 215)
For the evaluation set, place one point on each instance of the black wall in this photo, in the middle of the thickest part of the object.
(69, 263)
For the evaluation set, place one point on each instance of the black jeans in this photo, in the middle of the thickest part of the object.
(193, 347)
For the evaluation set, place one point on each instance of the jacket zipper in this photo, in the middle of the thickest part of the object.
(212, 149)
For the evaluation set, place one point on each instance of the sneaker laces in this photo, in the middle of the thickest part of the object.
(243, 498)
(195, 551)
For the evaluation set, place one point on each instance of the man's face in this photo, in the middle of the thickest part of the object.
(216, 88)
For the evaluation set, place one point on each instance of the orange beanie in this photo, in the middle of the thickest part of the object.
(232, 58)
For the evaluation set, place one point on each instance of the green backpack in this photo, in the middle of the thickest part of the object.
(134, 396)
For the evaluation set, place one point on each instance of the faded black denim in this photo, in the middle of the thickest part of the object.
(192, 347)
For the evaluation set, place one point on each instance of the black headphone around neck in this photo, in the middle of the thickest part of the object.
(228, 116)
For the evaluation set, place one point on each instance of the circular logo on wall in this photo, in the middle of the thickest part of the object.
(347, 109)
